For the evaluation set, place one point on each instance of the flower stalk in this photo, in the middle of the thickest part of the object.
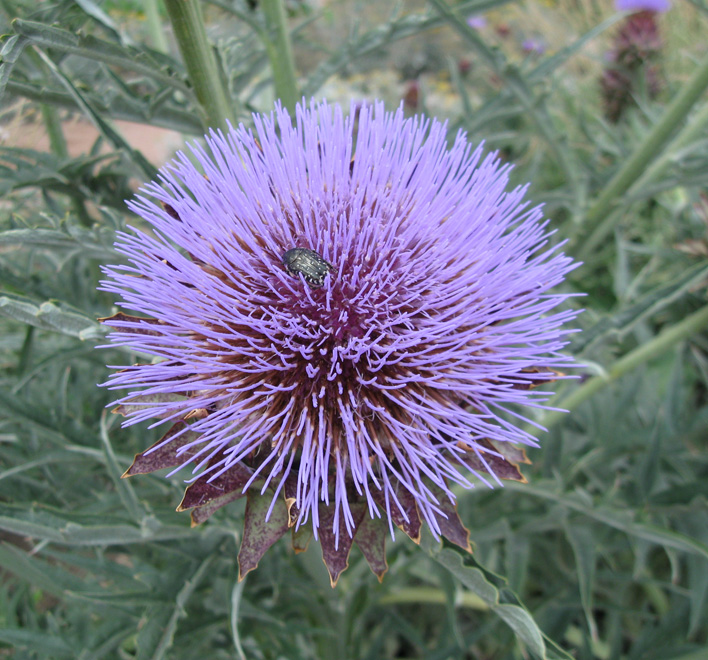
(664, 341)
(432, 596)
(157, 35)
(188, 25)
(280, 53)
(637, 162)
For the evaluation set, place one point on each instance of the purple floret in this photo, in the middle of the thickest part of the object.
(643, 5)
(424, 339)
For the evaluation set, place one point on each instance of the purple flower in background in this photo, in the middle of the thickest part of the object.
(345, 323)
(477, 21)
(633, 64)
(643, 5)
(535, 46)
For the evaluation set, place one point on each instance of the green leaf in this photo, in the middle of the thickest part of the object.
(120, 107)
(95, 12)
(104, 128)
(621, 520)
(156, 636)
(50, 316)
(472, 578)
(33, 571)
(582, 541)
(38, 642)
(621, 323)
(521, 622)
(79, 241)
(236, 598)
(151, 630)
(515, 616)
(123, 487)
(681, 493)
(42, 526)
(98, 50)
(11, 50)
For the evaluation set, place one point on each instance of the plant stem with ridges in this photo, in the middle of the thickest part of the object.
(643, 353)
(188, 25)
(280, 53)
(643, 155)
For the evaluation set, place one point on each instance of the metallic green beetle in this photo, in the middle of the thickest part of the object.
(309, 264)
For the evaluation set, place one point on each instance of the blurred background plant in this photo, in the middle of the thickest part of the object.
(604, 554)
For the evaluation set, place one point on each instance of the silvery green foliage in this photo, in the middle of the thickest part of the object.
(603, 551)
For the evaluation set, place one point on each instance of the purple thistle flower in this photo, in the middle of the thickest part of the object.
(477, 21)
(535, 46)
(636, 53)
(345, 387)
(643, 5)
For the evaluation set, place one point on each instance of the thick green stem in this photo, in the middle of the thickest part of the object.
(188, 25)
(690, 134)
(644, 353)
(57, 141)
(644, 154)
(157, 34)
(280, 53)
(430, 595)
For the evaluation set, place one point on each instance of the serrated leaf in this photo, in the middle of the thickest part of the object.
(523, 625)
(104, 128)
(128, 109)
(150, 630)
(95, 12)
(32, 570)
(68, 532)
(154, 646)
(57, 240)
(99, 50)
(382, 36)
(470, 577)
(50, 645)
(515, 616)
(11, 50)
(622, 322)
(582, 541)
(622, 520)
(49, 316)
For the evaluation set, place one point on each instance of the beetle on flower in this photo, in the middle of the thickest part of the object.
(340, 340)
